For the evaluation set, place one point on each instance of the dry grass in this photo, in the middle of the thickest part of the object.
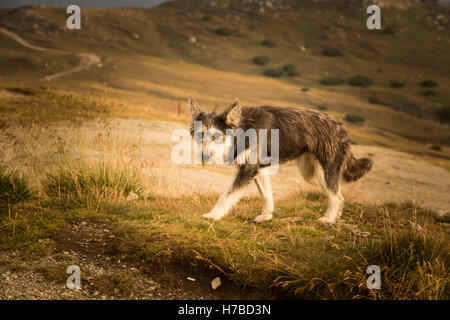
(89, 170)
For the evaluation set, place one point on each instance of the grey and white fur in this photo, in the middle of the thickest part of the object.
(317, 141)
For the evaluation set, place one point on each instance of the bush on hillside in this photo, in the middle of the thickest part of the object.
(268, 43)
(397, 84)
(360, 81)
(261, 60)
(429, 93)
(273, 72)
(354, 118)
(429, 83)
(225, 32)
(331, 52)
(331, 81)
(444, 113)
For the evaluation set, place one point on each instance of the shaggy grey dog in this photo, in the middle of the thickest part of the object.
(316, 140)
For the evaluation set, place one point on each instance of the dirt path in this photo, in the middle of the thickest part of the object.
(87, 60)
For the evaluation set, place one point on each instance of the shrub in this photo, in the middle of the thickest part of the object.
(268, 43)
(273, 72)
(288, 67)
(14, 189)
(389, 30)
(322, 107)
(207, 18)
(436, 147)
(360, 81)
(396, 84)
(331, 52)
(293, 73)
(305, 89)
(429, 93)
(330, 81)
(429, 83)
(261, 60)
(379, 70)
(374, 100)
(444, 113)
(225, 32)
(354, 118)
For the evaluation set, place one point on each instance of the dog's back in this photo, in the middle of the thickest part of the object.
(301, 130)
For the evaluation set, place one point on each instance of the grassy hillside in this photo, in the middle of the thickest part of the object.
(80, 159)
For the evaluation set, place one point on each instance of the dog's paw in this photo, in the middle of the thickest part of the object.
(326, 220)
(210, 216)
(263, 217)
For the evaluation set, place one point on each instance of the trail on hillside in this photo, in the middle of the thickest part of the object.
(87, 60)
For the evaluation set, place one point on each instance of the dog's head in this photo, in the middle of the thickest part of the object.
(209, 129)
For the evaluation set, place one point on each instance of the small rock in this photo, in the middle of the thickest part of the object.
(416, 226)
(216, 283)
(132, 196)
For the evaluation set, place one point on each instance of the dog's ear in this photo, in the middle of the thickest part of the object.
(194, 107)
(234, 113)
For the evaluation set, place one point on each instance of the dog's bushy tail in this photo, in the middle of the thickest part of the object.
(356, 168)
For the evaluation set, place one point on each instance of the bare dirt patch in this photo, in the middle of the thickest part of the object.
(107, 271)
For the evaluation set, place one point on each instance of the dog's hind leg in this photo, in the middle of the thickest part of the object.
(229, 198)
(334, 210)
(265, 189)
(329, 182)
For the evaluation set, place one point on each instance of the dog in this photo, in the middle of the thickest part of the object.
(317, 141)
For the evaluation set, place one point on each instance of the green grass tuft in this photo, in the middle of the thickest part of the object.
(88, 185)
(436, 147)
(14, 189)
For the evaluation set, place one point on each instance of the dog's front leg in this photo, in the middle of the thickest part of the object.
(265, 189)
(229, 198)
